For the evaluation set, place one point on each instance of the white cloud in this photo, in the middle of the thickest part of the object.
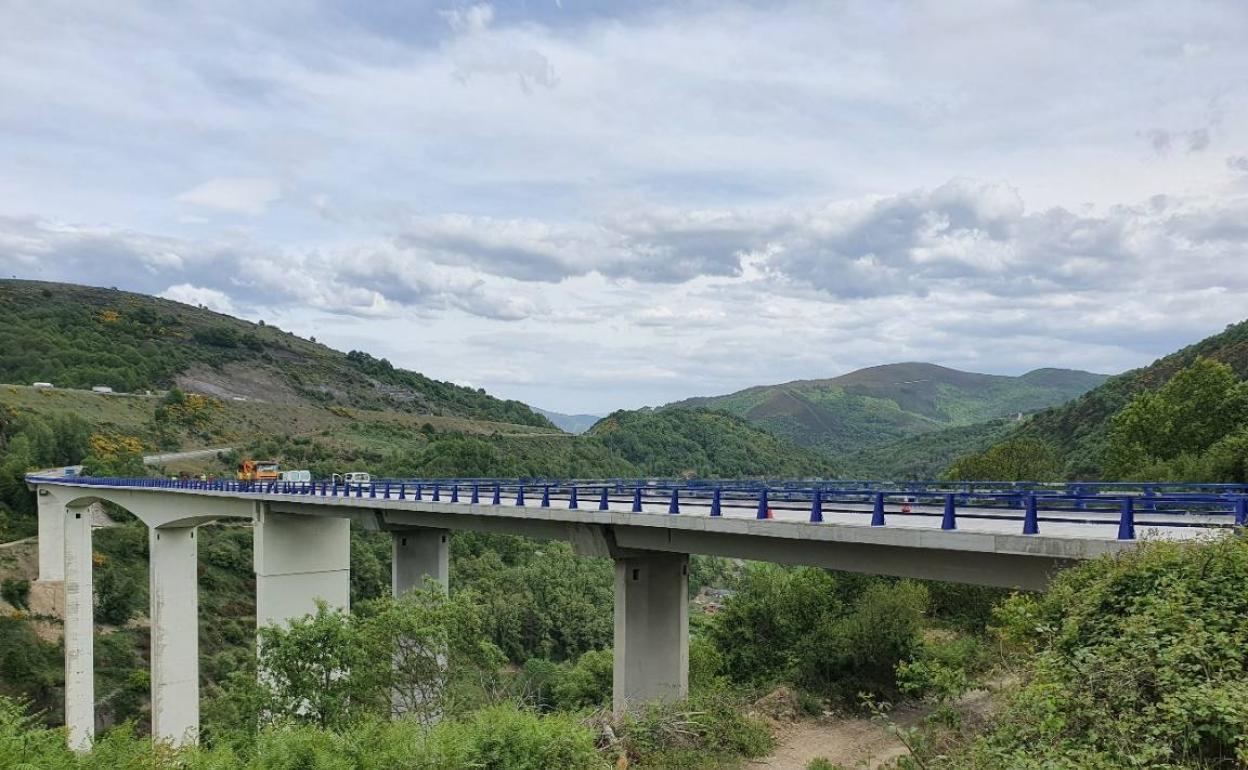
(237, 195)
(730, 193)
(199, 295)
(474, 18)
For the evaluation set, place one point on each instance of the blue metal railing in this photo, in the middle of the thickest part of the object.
(1167, 505)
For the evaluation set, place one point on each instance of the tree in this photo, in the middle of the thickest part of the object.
(1201, 405)
(1021, 459)
(334, 668)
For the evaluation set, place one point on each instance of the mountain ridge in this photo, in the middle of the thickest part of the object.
(569, 423)
(876, 405)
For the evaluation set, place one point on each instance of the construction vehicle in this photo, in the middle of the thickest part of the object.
(257, 470)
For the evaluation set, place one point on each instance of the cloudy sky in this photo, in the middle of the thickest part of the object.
(590, 205)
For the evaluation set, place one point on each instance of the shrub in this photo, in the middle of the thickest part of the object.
(1138, 660)
(16, 592)
(701, 732)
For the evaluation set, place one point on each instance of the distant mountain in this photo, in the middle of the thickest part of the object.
(874, 406)
(572, 423)
(81, 336)
(1079, 430)
(703, 443)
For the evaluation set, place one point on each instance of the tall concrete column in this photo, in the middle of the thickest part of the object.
(420, 554)
(175, 635)
(300, 559)
(51, 537)
(79, 629)
(651, 629)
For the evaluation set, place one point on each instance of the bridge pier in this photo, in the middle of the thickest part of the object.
(173, 576)
(79, 628)
(300, 560)
(420, 554)
(651, 629)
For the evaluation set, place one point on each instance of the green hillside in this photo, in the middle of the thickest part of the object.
(702, 442)
(926, 456)
(1079, 430)
(881, 404)
(80, 337)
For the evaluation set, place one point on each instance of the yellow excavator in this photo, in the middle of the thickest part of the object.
(257, 470)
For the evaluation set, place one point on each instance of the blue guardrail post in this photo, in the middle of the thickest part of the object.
(877, 512)
(1031, 521)
(950, 519)
(1126, 523)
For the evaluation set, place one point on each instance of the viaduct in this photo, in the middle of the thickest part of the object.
(985, 534)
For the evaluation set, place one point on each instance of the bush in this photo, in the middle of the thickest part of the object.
(833, 634)
(704, 731)
(1139, 660)
(16, 592)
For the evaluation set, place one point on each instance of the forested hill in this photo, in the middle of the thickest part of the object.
(702, 442)
(80, 337)
(1079, 430)
(874, 406)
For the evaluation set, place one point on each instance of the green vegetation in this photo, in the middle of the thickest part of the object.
(27, 443)
(1080, 430)
(503, 736)
(79, 337)
(834, 635)
(1019, 459)
(883, 404)
(1193, 428)
(925, 456)
(702, 443)
(1135, 661)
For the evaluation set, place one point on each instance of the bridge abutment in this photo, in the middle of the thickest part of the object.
(420, 554)
(651, 629)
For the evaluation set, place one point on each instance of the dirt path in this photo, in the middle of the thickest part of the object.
(857, 742)
(848, 742)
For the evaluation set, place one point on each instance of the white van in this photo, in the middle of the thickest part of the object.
(355, 477)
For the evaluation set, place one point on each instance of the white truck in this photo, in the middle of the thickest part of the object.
(300, 476)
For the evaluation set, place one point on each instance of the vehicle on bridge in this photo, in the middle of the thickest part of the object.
(354, 477)
(299, 476)
(257, 470)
